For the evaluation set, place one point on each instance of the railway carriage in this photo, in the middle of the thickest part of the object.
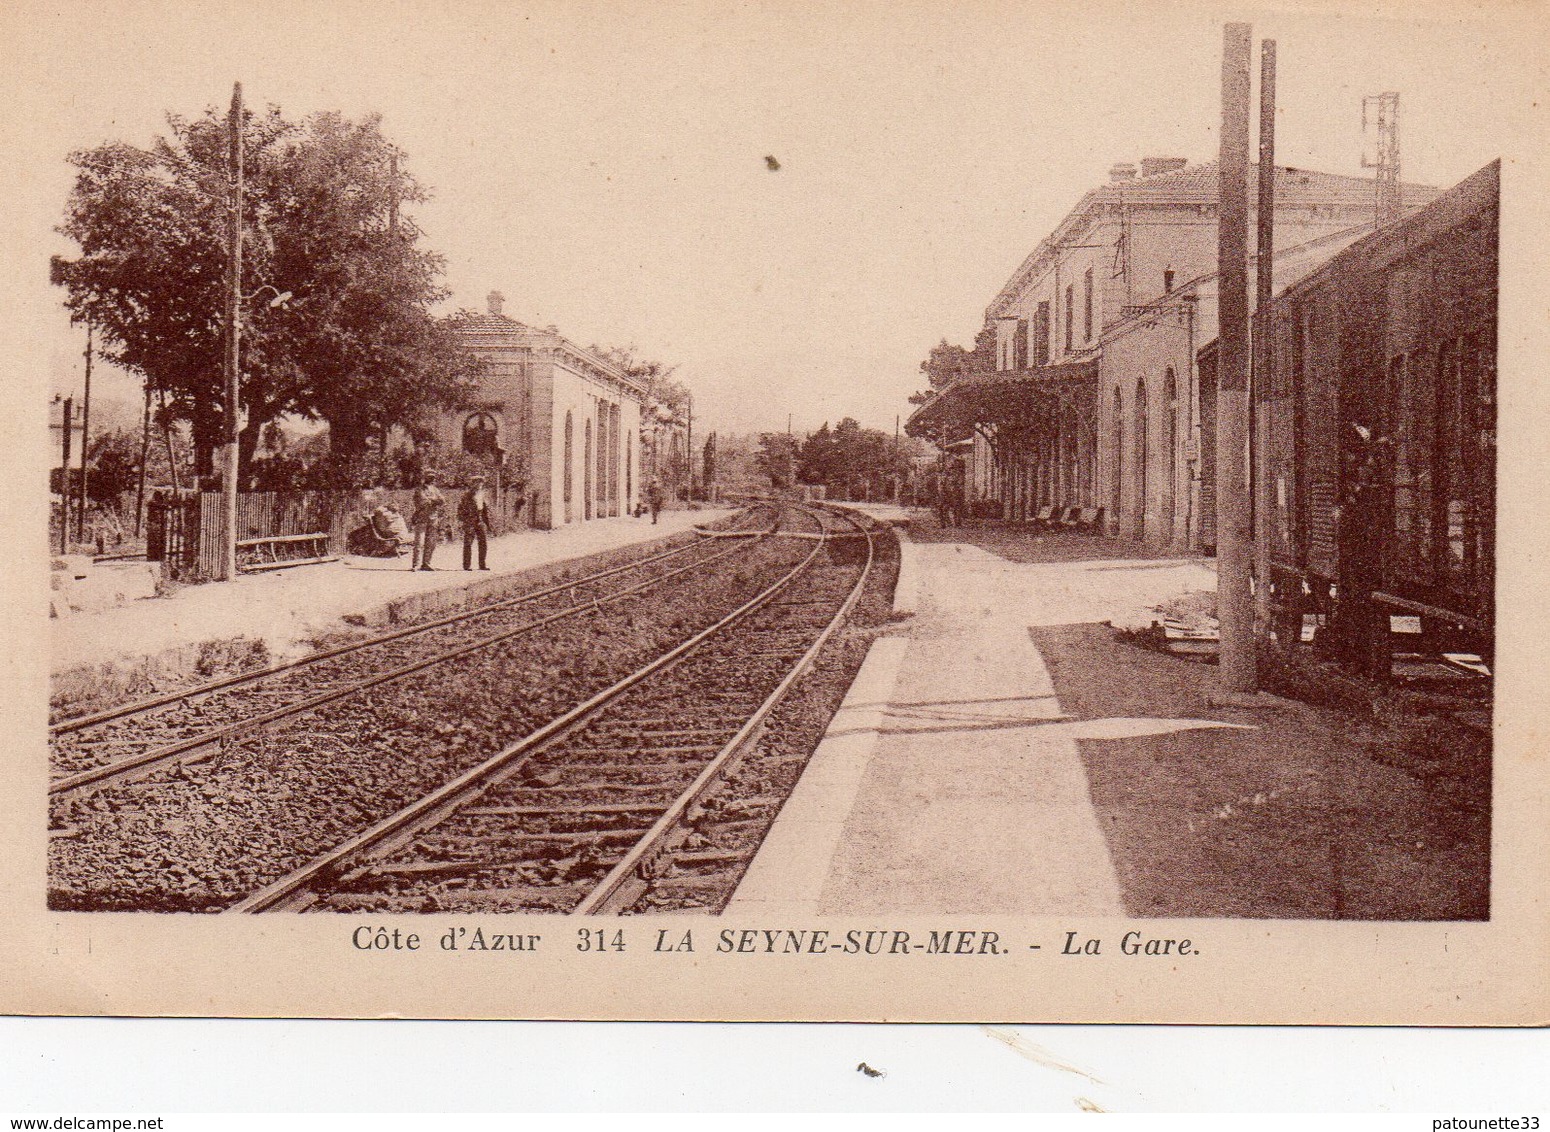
(1379, 423)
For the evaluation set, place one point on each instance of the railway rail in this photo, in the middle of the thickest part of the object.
(586, 813)
(134, 739)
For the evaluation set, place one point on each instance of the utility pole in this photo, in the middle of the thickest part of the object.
(145, 453)
(1259, 434)
(689, 448)
(80, 514)
(228, 566)
(67, 427)
(1234, 557)
(898, 483)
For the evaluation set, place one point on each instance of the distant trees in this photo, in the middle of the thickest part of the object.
(665, 396)
(357, 345)
(852, 461)
(777, 458)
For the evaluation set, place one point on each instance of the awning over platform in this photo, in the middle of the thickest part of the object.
(1003, 399)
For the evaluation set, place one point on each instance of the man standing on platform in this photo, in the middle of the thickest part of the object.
(428, 506)
(473, 515)
(654, 499)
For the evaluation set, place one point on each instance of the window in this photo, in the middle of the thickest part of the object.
(1087, 306)
(1118, 447)
(481, 435)
(1413, 388)
(1070, 313)
(1041, 332)
(566, 476)
(1141, 459)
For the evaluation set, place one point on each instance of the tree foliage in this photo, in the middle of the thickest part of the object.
(666, 398)
(946, 363)
(850, 460)
(777, 458)
(357, 344)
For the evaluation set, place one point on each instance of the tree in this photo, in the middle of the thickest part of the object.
(709, 470)
(850, 460)
(777, 458)
(664, 394)
(357, 345)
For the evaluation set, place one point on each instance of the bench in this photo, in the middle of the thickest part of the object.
(276, 552)
(1088, 519)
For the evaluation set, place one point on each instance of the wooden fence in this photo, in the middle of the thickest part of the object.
(184, 531)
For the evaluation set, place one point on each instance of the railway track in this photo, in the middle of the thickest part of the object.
(620, 793)
(131, 740)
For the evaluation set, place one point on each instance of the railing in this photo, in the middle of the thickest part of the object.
(184, 531)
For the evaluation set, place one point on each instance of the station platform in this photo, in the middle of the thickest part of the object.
(1008, 750)
(288, 608)
(956, 723)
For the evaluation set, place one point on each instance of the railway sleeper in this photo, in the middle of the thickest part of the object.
(547, 811)
(686, 749)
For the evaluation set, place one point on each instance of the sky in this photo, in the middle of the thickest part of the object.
(603, 165)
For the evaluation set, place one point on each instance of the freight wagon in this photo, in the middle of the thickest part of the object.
(1377, 419)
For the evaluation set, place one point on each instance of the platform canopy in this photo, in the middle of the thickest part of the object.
(1003, 400)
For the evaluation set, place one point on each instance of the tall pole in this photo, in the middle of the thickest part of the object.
(145, 453)
(1259, 435)
(68, 428)
(228, 567)
(80, 514)
(1234, 557)
(898, 485)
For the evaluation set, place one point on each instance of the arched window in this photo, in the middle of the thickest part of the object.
(1116, 487)
(1141, 459)
(586, 471)
(566, 475)
(1171, 457)
(603, 443)
(481, 435)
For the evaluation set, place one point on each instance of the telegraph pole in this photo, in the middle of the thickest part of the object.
(80, 514)
(68, 427)
(1259, 436)
(1234, 551)
(228, 566)
(145, 453)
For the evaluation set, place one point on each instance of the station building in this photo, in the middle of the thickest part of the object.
(1095, 401)
(552, 416)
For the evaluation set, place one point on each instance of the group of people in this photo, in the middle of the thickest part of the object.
(388, 534)
(428, 520)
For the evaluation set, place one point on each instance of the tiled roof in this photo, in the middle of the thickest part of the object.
(496, 323)
(1205, 179)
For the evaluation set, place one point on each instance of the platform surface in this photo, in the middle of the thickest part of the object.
(287, 607)
(950, 781)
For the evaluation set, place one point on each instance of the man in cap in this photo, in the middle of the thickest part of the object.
(473, 515)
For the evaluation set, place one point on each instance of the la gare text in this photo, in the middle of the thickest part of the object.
(771, 941)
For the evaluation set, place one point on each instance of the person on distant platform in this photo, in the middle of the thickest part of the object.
(654, 499)
(428, 507)
(473, 515)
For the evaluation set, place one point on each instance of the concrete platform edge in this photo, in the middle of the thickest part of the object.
(788, 873)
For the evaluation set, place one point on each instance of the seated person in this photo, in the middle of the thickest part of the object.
(388, 523)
